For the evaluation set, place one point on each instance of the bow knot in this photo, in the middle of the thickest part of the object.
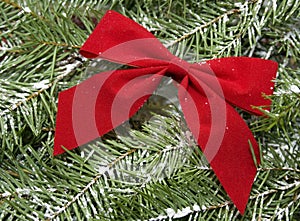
(178, 69)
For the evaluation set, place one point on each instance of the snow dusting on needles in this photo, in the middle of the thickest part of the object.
(19, 191)
(26, 9)
(5, 194)
(41, 85)
(171, 213)
(4, 49)
(293, 89)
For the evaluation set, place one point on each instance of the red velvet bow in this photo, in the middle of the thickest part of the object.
(206, 92)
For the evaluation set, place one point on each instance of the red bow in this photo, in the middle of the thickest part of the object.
(206, 92)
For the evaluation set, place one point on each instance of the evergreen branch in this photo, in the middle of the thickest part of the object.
(89, 185)
(282, 210)
(211, 22)
(187, 35)
(60, 44)
(70, 69)
(121, 157)
(19, 7)
(15, 5)
(232, 43)
(262, 169)
(25, 192)
(15, 174)
(280, 169)
(188, 210)
(268, 192)
(10, 50)
(202, 209)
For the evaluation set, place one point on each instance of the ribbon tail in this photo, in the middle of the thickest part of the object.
(234, 164)
(101, 103)
(223, 137)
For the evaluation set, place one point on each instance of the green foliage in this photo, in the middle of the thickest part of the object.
(155, 172)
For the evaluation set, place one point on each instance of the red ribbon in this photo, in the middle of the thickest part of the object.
(206, 92)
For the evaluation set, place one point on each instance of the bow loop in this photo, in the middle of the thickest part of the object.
(243, 81)
(119, 39)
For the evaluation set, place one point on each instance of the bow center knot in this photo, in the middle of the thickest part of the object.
(178, 68)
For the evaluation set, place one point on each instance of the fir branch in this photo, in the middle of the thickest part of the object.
(69, 70)
(187, 35)
(89, 185)
(60, 44)
(24, 9)
(198, 209)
